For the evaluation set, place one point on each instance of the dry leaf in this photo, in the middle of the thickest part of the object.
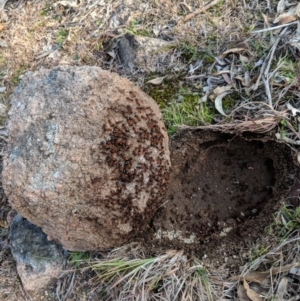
(1, 26)
(203, 99)
(298, 10)
(281, 6)
(284, 268)
(286, 139)
(67, 3)
(256, 276)
(282, 289)
(2, 4)
(250, 293)
(156, 81)
(286, 19)
(261, 276)
(218, 102)
(266, 21)
(227, 78)
(260, 289)
(220, 62)
(3, 109)
(222, 89)
(241, 292)
(290, 16)
(246, 81)
(244, 59)
(295, 270)
(3, 43)
(294, 111)
(298, 157)
(233, 50)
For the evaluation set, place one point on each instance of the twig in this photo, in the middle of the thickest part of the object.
(284, 91)
(264, 71)
(198, 11)
(273, 28)
(268, 92)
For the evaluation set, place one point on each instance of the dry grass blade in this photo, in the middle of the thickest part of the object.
(198, 11)
(170, 276)
(273, 28)
(281, 260)
(262, 125)
(264, 72)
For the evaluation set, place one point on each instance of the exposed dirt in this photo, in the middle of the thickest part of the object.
(222, 193)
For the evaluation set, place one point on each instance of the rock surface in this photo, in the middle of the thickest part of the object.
(88, 158)
(147, 54)
(39, 262)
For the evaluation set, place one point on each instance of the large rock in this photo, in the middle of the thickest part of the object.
(39, 262)
(88, 158)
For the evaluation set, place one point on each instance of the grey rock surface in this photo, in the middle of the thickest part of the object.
(39, 261)
(88, 157)
(147, 54)
(127, 50)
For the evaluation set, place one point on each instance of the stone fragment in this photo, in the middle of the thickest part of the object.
(156, 55)
(127, 50)
(88, 158)
(147, 54)
(39, 261)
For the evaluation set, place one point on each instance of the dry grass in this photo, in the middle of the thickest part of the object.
(258, 74)
(124, 275)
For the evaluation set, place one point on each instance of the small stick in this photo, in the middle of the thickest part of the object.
(273, 28)
(198, 11)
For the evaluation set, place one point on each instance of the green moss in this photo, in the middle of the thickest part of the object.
(61, 36)
(217, 9)
(286, 68)
(45, 11)
(163, 93)
(75, 57)
(15, 78)
(179, 104)
(230, 100)
(186, 112)
(248, 28)
(137, 29)
(209, 59)
(191, 53)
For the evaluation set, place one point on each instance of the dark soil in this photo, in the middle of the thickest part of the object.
(222, 194)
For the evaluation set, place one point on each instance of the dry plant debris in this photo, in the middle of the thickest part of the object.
(238, 59)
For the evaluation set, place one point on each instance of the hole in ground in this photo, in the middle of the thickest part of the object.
(222, 194)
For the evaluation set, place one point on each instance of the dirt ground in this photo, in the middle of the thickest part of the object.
(222, 194)
(236, 61)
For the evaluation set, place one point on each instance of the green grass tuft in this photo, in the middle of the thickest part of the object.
(186, 112)
(287, 222)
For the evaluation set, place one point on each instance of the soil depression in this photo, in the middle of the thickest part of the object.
(222, 194)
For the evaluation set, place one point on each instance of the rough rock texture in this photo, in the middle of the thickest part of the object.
(88, 158)
(147, 54)
(39, 262)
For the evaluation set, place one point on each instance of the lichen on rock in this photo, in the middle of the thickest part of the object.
(88, 158)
